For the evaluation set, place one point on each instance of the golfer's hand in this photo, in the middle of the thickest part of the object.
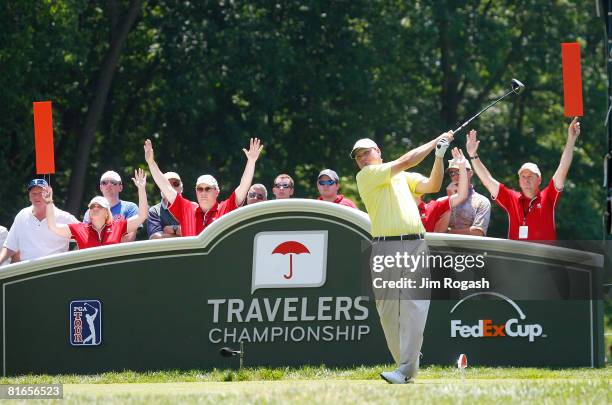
(148, 151)
(47, 194)
(255, 148)
(447, 135)
(140, 178)
(471, 145)
(574, 128)
(441, 147)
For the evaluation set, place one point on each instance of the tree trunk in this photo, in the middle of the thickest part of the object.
(120, 31)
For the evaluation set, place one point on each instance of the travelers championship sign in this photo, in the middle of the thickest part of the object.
(285, 280)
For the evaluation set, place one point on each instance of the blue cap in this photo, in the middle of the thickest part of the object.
(37, 183)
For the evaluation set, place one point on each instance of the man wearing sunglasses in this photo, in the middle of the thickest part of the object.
(388, 191)
(257, 193)
(283, 187)
(194, 219)
(161, 223)
(30, 237)
(328, 184)
(110, 187)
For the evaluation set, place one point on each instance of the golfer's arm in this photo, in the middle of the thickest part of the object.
(462, 192)
(485, 177)
(413, 157)
(61, 230)
(162, 182)
(143, 211)
(564, 164)
(434, 182)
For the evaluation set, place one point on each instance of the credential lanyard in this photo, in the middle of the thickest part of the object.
(526, 212)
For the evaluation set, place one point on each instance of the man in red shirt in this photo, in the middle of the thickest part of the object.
(328, 184)
(193, 219)
(432, 211)
(531, 212)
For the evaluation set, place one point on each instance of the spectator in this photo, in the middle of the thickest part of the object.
(111, 186)
(283, 187)
(30, 237)
(3, 235)
(328, 184)
(257, 193)
(531, 212)
(161, 223)
(195, 220)
(104, 228)
(473, 215)
(433, 213)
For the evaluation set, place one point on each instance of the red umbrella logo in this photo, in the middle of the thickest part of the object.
(291, 248)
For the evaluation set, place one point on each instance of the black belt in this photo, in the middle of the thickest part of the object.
(409, 236)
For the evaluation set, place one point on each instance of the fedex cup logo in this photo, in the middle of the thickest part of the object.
(289, 259)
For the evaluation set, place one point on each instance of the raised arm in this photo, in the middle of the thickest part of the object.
(140, 180)
(462, 189)
(573, 131)
(433, 183)
(162, 182)
(415, 156)
(471, 147)
(252, 155)
(61, 230)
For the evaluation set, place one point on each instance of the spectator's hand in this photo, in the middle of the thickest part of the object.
(140, 178)
(441, 147)
(447, 135)
(148, 151)
(169, 229)
(471, 146)
(458, 158)
(47, 194)
(574, 128)
(255, 148)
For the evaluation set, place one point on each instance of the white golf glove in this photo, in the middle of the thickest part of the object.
(441, 147)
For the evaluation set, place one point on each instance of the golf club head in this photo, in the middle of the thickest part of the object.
(227, 352)
(517, 86)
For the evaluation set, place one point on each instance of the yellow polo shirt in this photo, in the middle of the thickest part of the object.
(389, 200)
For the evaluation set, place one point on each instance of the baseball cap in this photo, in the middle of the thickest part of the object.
(172, 175)
(103, 202)
(365, 143)
(207, 179)
(453, 165)
(111, 175)
(330, 173)
(532, 167)
(37, 183)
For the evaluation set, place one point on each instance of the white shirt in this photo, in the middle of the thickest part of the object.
(3, 235)
(33, 238)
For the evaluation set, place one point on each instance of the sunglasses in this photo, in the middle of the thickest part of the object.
(256, 195)
(327, 182)
(453, 173)
(95, 206)
(283, 185)
(204, 189)
(113, 182)
(175, 183)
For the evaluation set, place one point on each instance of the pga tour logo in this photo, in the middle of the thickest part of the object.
(85, 323)
(289, 259)
(485, 328)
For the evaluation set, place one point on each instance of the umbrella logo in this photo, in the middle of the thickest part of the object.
(290, 247)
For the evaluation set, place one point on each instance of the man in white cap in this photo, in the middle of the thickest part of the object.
(110, 187)
(161, 223)
(328, 184)
(29, 237)
(531, 212)
(388, 194)
(472, 216)
(194, 219)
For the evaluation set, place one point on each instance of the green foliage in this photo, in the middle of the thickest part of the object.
(309, 78)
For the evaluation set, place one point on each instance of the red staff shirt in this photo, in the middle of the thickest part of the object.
(86, 236)
(432, 211)
(342, 201)
(538, 214)
(191, 217)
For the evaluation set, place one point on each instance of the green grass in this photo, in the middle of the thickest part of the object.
(306, 385)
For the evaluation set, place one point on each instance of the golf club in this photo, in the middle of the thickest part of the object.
(515, 87)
